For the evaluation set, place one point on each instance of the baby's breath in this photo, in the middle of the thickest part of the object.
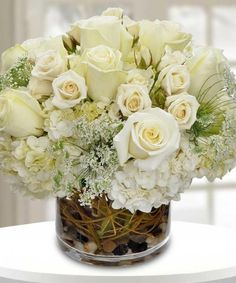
(18, 75)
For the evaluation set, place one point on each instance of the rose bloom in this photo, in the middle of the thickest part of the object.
(132, 98)
(102, 68)
(69, 89)
(40, 88)
(206, 71)
(20, 114)
(102, 30)
(49, 65)
(184, 108)
(174, 79)
(158, 34)
(148, 136)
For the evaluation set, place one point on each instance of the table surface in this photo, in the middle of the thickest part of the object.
(196, 253)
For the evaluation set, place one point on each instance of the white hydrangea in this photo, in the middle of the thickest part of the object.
(59, 124)
(135, 189)
(30, 158)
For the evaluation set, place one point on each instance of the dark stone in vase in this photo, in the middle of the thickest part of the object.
(122, 249)
(137, 247)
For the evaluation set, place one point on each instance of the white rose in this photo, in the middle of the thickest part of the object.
(158, 34)
(184, 108)
(69, 89)
(149, 137)
(10, 56)
(205, 69)
(20, 114)
(116, 12)
(102, 30)
(171, 58)
(174, 79)
(43, 44)
(131, 26)
(140, 77)
(132, 98)
(103, 72)
(49, 65)
(39, 88)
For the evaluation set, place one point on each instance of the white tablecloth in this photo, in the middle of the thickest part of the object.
(196, 253)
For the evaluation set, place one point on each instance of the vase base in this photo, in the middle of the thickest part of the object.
(107, 260)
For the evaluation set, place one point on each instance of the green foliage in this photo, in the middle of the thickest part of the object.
(157, 94)
(58, 178)
(158, 98)
(135, 41)
(18, 75)
(142, 64)
(207, 124)
(215, 100)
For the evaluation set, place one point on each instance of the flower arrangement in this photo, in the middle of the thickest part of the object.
(114, 108)
(128, 112)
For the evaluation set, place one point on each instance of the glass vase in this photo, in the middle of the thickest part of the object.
(102, 235)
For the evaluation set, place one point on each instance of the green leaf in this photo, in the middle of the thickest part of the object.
(58, 178)
(158, 98)
(142, 64)
(207, 124)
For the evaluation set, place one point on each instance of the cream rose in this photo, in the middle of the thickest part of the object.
(149, 137)
(39, 88)
(132, 98)
(102, 30)
(171, 58)
(184, 108)
(140, 77)
(69, 89)
(102, 68)
(20, 114)
(205, 69)
(116, 12)
(43, 44)
(174, 79)
(131, 26)
(49, 65)
(158, 34)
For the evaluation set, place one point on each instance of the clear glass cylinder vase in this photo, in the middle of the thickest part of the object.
(102, 235)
